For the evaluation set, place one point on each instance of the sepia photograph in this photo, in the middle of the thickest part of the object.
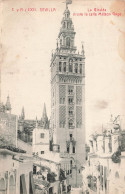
(62, 104)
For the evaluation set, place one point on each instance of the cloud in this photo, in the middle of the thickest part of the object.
(101, 104)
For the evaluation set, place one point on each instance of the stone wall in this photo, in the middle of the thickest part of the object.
(8, 127)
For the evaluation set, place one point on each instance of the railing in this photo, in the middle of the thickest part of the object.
(71, 115)
(64, 154)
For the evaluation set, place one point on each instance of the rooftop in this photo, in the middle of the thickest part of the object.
(5, 145)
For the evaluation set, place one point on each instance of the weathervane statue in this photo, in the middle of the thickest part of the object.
(68, 2)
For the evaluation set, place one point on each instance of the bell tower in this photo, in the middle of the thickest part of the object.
(68, 99)
(67, 35)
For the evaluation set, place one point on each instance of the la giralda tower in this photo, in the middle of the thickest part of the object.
(68, 98)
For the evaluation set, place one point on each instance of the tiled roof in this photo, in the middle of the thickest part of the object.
(5, 145)
(12, 148)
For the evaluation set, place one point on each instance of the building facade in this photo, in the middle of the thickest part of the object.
(16, 161)
(26, 127)
(40, 143)
(67, 98)
(104, 172)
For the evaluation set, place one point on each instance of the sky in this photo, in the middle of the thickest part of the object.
(28, 38)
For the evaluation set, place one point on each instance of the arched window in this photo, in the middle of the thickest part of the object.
(70, 66)
(60, 66)
(70, 90)
(60, 41)
(76, 68)
(68, 25)
(2, 186)
(70, 100)
(62, 100)
(80, 68)
(11, 185)
(71, 137)
(64, 66)
(67, 41)
(64, 25)
(68, 149)
(70, 111)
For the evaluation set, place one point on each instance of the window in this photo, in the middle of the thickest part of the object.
(34, 169)
(62, 100)
(70, 66)
(60, 66)
(60, 41)
(70, 111)
(42, 152)
(70, 100)
(68, 149)
(70, 90)
(80, 68)
(42, 135)
(67, 41)
(68, 25)
(73, 149)
(70, 137)
(76, 68)
(64, 25)
(64, 66)
(70, 124)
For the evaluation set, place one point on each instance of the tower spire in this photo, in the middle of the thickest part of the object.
(68, 2)
(44, 119)
(44, 111)
(82, 51)
(67, 34)
(36, 122)
(23, 113)
(8, 105)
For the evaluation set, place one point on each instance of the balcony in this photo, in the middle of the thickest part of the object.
(71, 93)
(67, 29)
(71, 127)
(71, 103)
(71, 115)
